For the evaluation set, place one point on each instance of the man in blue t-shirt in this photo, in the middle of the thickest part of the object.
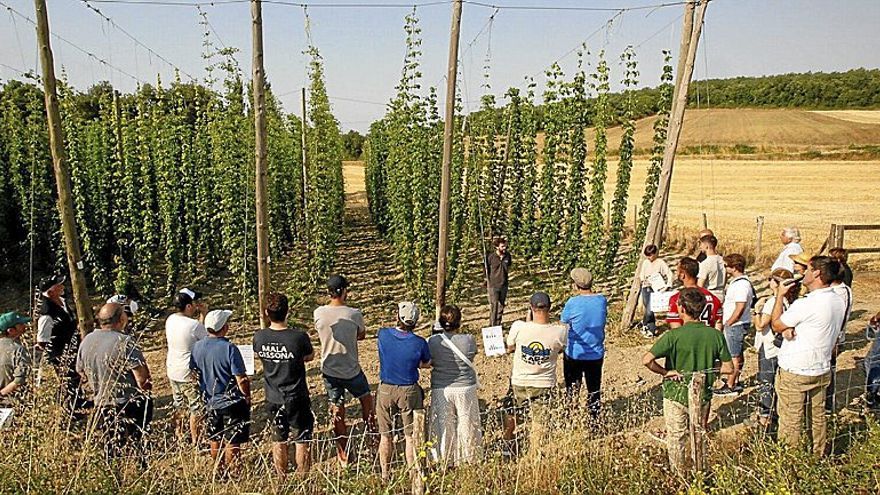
(585, 313)
(401, 354)
(225, 387)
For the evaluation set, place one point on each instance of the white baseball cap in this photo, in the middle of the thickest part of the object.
(408, 312)
(131, 306)
(215, 319)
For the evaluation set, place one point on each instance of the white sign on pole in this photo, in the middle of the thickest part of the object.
(660, 301)
(493, 341)
(247, 354)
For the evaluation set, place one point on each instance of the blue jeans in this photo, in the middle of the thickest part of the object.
(767, 368)
(872, 372)
(649, 321)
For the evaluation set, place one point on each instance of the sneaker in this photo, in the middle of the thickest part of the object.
(724, 390)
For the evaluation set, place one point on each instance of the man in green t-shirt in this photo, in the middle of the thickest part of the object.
(690, 348)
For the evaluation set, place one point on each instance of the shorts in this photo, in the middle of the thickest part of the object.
(187, 395)
(357, 386)
(398, 400)
(519, 398)
(735, 337)
(231, 423)
(296, 413)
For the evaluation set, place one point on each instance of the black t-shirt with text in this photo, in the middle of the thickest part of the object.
(282, 353)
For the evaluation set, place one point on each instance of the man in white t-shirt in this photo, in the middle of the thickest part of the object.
(811, 327)
(845, 293)
(536, 346)
(737, 317)
(791, 238)
(182, 331)
(712, 274)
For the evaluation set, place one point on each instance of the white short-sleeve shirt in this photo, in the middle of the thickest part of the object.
(537, 347)
(738, 291)
(817, 320)
(784, 259)
(182, 332)
(712, 271)
(764, 336)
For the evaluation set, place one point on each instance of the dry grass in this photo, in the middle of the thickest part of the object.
(767, 129)
(858, 116)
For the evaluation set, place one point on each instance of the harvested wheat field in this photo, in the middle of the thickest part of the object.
(768, 129)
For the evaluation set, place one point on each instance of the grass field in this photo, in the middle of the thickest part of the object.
(766, 129)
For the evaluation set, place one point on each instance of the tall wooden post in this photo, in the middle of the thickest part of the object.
(305, 170)
(261, 157)
(443, 230)
(656, 221)
(62, 175)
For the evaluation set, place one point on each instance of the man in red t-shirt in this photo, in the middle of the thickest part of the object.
(688, 269)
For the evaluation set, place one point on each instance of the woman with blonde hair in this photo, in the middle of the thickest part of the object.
(767, 344)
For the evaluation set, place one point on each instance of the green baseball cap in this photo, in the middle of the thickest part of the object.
(10, 319)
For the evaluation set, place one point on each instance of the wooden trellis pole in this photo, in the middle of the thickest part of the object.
(62, 174)
(443, 228)
(261, 158)
(693, 25)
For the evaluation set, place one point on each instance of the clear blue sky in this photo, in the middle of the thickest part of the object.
(363, 47)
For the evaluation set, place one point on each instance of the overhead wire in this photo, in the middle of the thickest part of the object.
(137, 42)
(85, 51)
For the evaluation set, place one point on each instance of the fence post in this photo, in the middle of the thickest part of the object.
(697, 432)
(417, 469)
(607, 215)
(705, 221)
(759, 238)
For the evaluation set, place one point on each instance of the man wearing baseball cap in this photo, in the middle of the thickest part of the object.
(182, 331)
(401, 354)
(58, 339)
(535, 345)
(226, 388)
(15, 363)
(340, 327)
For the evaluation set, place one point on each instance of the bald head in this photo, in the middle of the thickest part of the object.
(111, 316)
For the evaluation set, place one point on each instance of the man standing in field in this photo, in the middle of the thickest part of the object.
(690, 349)
(712, 274)
(737, 315)
(58, 340)
(811, 326)
(791, 238)
(226, 388)
(700, 254)
(182, 331)
(15, 362)
(339, 329)
(401, 354)
(284, 352)
(497, 274)
(115, 368)
(687, 270)
(535, 345)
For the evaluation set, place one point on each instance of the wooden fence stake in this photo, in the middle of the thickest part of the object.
(418, 467)
(759, 238)
(697, 432)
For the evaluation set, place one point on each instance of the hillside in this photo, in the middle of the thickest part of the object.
(750, 130)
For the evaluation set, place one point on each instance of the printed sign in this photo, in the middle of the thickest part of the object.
(247, 354)
(660, 301)
(658, 283)
(493, 341)
(5, 413)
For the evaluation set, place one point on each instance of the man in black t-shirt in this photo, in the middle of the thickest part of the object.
(497, 269)
(284, 352)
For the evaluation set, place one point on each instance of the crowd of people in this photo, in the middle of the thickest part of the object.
(712, 311)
